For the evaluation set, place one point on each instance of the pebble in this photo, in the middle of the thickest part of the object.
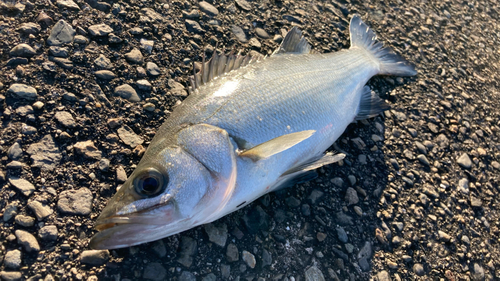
(105, 74)
(48, 233)
(103, 62)
(41, 210)
(88, 150)
(24, 186)
(144, 85)
(315, 196)
(313, 273)
(69, 4)
(61, 33)
(217, 235)
(27, 240)
(95, 257)
(478, 273)
(23, 91)
(135, 56)
(15, 151)
(475, 202)
(12, 259)
(152, 69)
(423, 159)
(159, 248)
(147, 45)
(121, 175)
(464, 161)
(232, 253)
(193, 26)
(239, 33)
(65, 118)
(444, 236)
(225, 271)
(244, 5)
(208, 9)
(45, 154)
(127, 92)
(383, 276)
(104, 164)
(11, 275)
(418, 268)
(22, 50)
(113, 39)
(254, 43)
(100, 29)
(187, 276)
(59, 51)
(129, 137)
(28, 130)
(261, 33)
(29, 28)
(341, 234)
(150, 107)
(256, 219)
(267, 259)
(249, 259)
(25, 221)
(154, 271)
(187, 249)
(209, 277)
(75, 202)
(351, 196)
(10, 211)
(292, 202)
(80, 39)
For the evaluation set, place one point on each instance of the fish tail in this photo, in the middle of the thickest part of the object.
(390, 63)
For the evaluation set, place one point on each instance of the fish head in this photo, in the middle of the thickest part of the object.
(171, 190)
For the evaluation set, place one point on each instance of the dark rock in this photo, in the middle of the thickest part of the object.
(232, 253)
(217, 235)
(154, 271)
(187, 250)
(256, 219)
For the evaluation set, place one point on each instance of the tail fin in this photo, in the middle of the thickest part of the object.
(389, 63)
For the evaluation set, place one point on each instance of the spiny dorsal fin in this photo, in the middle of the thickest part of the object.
(294, 43)
(371, 104)
(276, 145)
(218, 65)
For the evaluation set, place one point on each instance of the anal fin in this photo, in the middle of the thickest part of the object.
(371, 105)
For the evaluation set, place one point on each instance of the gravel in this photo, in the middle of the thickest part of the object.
(416, 195)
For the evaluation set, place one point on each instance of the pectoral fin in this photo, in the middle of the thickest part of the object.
(276, 145)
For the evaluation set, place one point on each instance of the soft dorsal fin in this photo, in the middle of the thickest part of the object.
(294, 43)
(218, 65)
(276, 145)
(371, 105)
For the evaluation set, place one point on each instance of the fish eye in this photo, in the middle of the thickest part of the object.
(150, 182)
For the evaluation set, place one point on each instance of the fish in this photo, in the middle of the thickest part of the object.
(250, 125)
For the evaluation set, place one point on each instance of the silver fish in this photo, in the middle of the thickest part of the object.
(250, 126)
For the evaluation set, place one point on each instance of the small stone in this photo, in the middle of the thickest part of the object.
(28, 130)
(358, 211)
(105, 74)
(22, 50)
(103, 62)
(351, 196)
(113, 39)
(41, 210)
(69, 4)
(104, 164)
(239, 33)
(464, 161)
(478, 273)
(121, 175)
(342, 235)
(217, 235)
(95, 257)
(193, 26)
(144, 85)
(135, 56)
(419, 269)
(383, 276)
(292, 202)
(12, 259)
(152, 69)
(25, 221)
(27, 240)
(261, 33)
(159, 248)
(150, 107)
(147, 45)
(423, 159)
(10, 211)
(80, 39)
(29, 28)
(87, 149)
(59, 51)
(187, 276)
(154, 271)
(14, 151)
(208, 9)
(256, 219)
(244, 5)
(267, 259)
(48, 233)
(249, 259)
(11, 275)
(100, 30)
(232, 253)
(61, 33)
(24, 186)
(187, 250)
(209, 277)
(65, 118)
(315, 196)
(444, 236)
(75, 202)
(38, 105)
(313, 273)
(23, 91)
(127, 92)
(129, 137)
(45, 154)
(475, 202)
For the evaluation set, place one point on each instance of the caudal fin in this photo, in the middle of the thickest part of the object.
(389, 63)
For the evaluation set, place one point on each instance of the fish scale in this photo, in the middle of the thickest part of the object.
(249, 126)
